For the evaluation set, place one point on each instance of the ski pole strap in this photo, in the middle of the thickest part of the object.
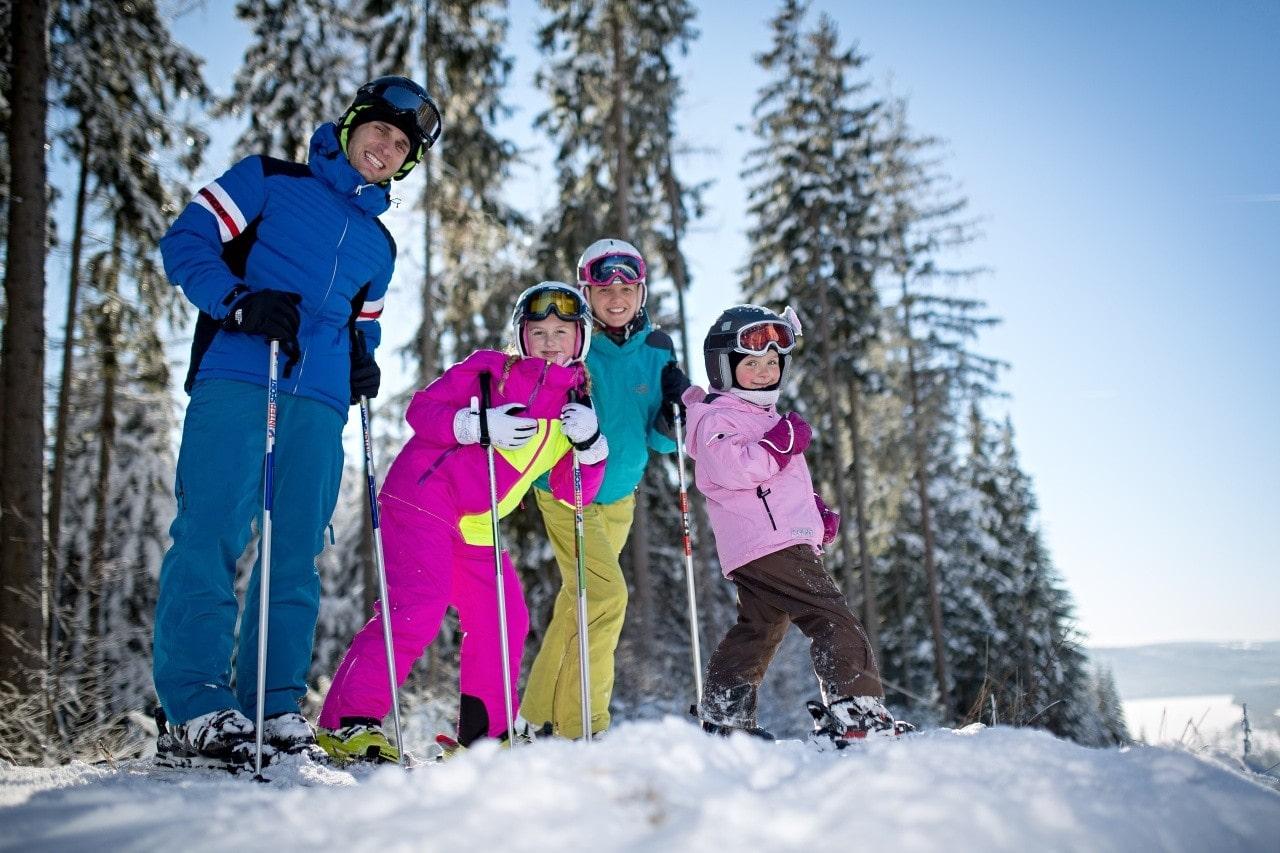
(485, 379)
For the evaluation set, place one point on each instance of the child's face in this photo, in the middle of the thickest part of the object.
(614, 304)
(758, 371)
(551, 339)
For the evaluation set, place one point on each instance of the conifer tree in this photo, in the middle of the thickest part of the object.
(613, 91)
(468, 230)
(814, 244)
(297, 74)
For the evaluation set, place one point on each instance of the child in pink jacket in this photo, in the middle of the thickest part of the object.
(770, 528)
(436, 524)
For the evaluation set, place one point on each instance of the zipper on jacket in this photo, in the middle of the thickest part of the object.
(439, 461)
(762, 493)
(333, 276)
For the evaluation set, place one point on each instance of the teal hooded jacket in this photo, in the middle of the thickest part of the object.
(626, 392)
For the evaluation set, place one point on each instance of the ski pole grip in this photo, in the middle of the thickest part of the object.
(485, 379)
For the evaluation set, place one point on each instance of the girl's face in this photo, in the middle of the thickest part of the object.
(758, 371)
(614, 304)
(551, 339)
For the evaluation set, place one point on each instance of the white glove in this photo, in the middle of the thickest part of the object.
(507, 431)
(579, 423)
(596, 452)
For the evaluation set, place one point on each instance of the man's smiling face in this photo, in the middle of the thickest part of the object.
(377, 150)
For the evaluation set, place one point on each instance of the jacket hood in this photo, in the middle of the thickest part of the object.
(330, 164)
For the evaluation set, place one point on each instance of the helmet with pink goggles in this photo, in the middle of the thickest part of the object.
(547, 299)
(747, 330)
(611, 261)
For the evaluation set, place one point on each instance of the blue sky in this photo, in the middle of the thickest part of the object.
(1123, 160)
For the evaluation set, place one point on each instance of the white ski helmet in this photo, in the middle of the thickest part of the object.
(547, 298)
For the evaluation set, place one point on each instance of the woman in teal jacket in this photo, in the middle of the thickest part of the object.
(635, 381)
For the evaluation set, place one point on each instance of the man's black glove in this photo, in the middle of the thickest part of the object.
(365, 376)
(272, 314)
(674, 384)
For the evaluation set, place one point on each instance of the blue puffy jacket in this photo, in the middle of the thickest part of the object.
(270, 224)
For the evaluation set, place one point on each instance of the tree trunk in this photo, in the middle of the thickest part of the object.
(679, 271)
(870, 607)
(926, 521)
(642, 581)
(55, 561)
(22, 583)
(100, 549)
(829, 378)
(428, 349)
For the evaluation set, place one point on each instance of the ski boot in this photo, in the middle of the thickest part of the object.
(358, 739)
(724, 728)
(219, 740)
(853, 719)
(290, 734)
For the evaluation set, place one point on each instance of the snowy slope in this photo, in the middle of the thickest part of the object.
(993, 789)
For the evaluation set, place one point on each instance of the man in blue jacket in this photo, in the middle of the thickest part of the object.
(273, 250)
(634, 381)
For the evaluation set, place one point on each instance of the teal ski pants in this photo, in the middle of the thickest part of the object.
(219, 491)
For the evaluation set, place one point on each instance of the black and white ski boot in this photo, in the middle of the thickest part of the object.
(219, 740)
(291, 735)
(852, 720)
(724, 728)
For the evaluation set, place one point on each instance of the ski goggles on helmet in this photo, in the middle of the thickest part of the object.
(561, 303)
(757, 338)
(608, 269)
(400, 96)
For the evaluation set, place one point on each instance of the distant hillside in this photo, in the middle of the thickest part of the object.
(1249, 672)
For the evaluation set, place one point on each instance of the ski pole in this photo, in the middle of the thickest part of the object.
(380, 563)
(264, 579)
(579, 541)
(487, 443)
(688, 554)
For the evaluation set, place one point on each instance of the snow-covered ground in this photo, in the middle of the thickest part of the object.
(666, 786)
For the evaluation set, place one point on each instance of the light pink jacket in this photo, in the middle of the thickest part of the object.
(756, 508)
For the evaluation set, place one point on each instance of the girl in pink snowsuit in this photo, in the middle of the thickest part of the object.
(436, 524)
(771, 528)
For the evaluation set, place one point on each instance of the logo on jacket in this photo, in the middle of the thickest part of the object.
(642, 389)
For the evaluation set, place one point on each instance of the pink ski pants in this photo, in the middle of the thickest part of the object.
(428, 568)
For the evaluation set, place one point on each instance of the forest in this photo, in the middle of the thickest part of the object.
(852, 218)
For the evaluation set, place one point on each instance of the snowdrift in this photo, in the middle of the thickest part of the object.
(666, 786)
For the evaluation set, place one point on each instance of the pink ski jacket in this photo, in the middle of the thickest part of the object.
(448, 483)
(756, 508)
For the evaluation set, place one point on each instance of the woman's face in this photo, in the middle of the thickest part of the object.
(758, 371)
(614, 304)
(551, 339)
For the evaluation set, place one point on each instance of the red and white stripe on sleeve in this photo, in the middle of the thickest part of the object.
(216, 200)
(371, 310)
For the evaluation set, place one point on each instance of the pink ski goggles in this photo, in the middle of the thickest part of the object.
(609, 269)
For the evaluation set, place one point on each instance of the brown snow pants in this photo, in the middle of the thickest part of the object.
(787, 586)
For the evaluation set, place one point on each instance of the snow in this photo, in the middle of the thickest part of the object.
(664, 785)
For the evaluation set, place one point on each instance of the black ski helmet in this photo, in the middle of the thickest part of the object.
(400, 102)
(721, 351)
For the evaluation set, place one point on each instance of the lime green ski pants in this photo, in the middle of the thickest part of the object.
(553, 693)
